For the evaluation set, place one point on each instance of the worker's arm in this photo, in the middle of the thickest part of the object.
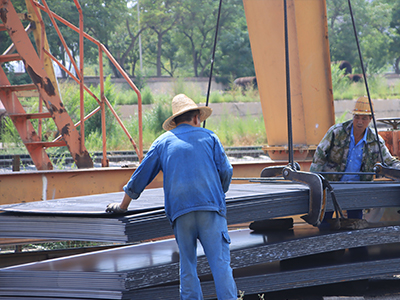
(224, 167)
(143, 175)
(119, 207)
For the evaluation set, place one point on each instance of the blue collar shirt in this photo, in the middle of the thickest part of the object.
(196, 171)
(354, 158)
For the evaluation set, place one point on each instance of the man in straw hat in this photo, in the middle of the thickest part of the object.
(196, 176)
(351, 147)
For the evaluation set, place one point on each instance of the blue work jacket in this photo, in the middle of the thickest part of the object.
(196, 171)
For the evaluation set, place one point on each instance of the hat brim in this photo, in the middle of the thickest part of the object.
(170, 124)
(363, 113)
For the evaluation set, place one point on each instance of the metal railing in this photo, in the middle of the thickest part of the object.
(80, 78)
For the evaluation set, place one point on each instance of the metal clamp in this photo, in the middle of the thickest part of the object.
(317, 201)
(388, 172)
(276, 171)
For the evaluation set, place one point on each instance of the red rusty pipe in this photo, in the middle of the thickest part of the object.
(81, 82)
(51, 15)
(104, 162)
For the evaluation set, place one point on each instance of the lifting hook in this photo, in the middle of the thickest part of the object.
(317, 200)
(388, 172)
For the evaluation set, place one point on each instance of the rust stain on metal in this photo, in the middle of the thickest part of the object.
(35, 77)
(3, 14)
(62, 109)
(65, 129)
(83, 160)
(52, 107)
(33, 24)
(45, 83)
(48, 87)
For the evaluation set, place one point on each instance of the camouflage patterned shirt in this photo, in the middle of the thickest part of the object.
(332, 151)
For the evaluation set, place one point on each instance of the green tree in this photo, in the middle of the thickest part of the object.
(372, 19)
(170, 53)
(67, 10)
(394, 46)
(196, 29)
(101, 19)
(234, 58)
(377, 36)
(161, 17)
(197, 26)
(124, 43)
(341, 35)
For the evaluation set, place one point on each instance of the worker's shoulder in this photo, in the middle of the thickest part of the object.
(192, 130)
(181, 131)
(346, 126)
(162, 138)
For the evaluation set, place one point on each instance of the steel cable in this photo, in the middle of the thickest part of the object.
(213, 56)
(365, 81)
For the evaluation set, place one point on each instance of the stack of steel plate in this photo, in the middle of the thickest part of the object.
(262, 262)
(83, 218)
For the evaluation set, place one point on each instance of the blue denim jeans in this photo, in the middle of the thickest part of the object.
(212, 231)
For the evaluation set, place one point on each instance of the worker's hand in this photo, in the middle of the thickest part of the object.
(115, 208)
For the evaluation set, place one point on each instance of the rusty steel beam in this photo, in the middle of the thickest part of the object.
(36, 71)
(45, 185)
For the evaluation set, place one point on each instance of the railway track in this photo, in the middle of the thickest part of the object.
(118, 157)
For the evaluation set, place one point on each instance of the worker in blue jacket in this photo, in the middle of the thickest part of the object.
(196, 176)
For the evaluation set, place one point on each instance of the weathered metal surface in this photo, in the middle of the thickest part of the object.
(245, 203)
(88, 205)
(42, 42)
(45, 185)
(310, 77)
(262, 262)
(251, 248)
(18, 258)
(269, 278)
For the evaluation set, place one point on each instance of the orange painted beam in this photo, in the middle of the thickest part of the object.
(46, 185)
(310, 71)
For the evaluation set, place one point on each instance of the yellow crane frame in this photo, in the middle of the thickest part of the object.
(310, 72)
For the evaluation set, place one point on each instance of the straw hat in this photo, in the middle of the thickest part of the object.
(362, 106)
(181, 104)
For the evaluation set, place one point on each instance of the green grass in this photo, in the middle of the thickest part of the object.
(238, 131)
(344, 89)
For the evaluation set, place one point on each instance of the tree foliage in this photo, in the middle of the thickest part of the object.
(394, 46)
(177, 36)
(372, 21)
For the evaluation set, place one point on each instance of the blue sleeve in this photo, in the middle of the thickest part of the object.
(224, 167)
(144, 174)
